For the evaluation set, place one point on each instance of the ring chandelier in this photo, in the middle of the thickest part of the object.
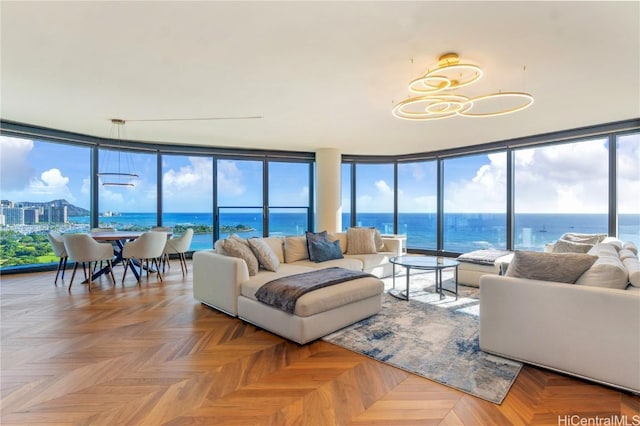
(436, 98)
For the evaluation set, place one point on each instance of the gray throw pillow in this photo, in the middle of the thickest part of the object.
(556, 267)
(235, 248)
(266, 257)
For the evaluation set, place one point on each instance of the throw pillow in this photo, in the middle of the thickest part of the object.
(321, 249)
(566, 246)
(266, 257)
(237, 249)
(583, 238)
(312, 237)
(556, 267)
(361, 241)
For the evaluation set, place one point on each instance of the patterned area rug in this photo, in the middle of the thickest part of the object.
(436, 339)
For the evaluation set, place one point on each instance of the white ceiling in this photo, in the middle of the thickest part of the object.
(321, 74)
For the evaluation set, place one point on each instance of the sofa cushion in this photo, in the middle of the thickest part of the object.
(632, 265)
(265, 255)
(555, 267)
(607, 272)
(347, 262)
(371, 260)
(277, 245)
(240, 250)
(295, 248)
(630, 246)
(361, 241)
(603, 250)
(626, 253)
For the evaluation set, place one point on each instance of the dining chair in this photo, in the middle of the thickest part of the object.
(98, 230)
(178, 245)
(57, 244)
(148, 246)
(82, 248)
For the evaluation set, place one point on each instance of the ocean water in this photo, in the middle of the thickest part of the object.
(462, 231)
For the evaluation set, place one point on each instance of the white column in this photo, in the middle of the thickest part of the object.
(328, 190)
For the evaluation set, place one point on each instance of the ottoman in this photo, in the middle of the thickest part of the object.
(317, 313)
(477, 263)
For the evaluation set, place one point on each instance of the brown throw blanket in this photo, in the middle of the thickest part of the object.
(283, 293)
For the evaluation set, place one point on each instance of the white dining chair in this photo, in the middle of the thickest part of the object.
(148, 246)
(81, 248)
(178, 245)
(57, 244)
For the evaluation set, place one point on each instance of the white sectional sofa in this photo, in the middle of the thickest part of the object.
(223, 282)
(589, 329)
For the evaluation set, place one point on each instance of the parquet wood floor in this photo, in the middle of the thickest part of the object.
(153, 355)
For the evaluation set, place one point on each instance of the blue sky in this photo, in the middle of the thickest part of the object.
(559, 178)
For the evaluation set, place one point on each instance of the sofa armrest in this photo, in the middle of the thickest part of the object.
(393, 245)
(585, 331)
(217, 279)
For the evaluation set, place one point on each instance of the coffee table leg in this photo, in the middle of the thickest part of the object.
(408, 273)
(394, 276)
(456, 278)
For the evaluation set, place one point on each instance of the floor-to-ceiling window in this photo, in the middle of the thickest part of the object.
(418, 203)
(560, 188)
(44, 186)
(187, 197)
(288, 198)
(374, 196)
(47, 182)
(475, 202)
(628, 195)
(345, 196)
(240, 198)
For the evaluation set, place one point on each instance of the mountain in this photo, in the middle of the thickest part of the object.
(71, 209)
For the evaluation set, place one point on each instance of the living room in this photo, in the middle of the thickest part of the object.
(254, 64)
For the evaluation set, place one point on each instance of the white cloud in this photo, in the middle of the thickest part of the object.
(16, 171)
(564, 178)
(485, 192)
(230, 179)
(384, 188)
(51, 185)
(190, 188)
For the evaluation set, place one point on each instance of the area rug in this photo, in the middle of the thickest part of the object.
(434, 338)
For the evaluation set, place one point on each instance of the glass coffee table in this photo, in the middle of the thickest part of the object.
(425, 263)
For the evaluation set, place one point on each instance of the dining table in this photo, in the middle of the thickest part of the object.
(118, 239)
